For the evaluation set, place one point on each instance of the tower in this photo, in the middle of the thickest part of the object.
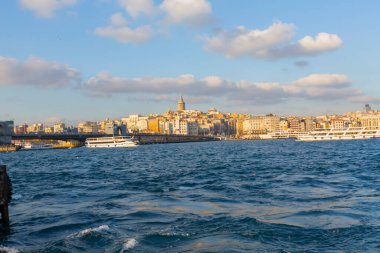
(181, 105)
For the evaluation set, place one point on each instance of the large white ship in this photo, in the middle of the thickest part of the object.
(110, 142)
(351, 133)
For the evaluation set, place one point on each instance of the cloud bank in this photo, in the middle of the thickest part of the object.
(314, 86)
(273, 42)
(120, 31)
(46, 74)
(37, 72)
(45, 8)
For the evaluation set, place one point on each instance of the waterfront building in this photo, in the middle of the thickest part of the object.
(88, 127)
(339, 123)
(166, 127)
(239, 127)
(219, 127)
(283, 125)
(193, 128)
(35, 128)
(180, 126)
(181, 105)
(309, 124)
(21, 129)
(115, 129)
(6, 132)
(142, 125)
(59, 128)
(136, 123)
(154, 125)
(371, 121)
(49, 130)
(231, 127)
(261, 124)
(204, 129)
(295, 124)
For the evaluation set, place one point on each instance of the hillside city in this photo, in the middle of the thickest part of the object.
(211, 123)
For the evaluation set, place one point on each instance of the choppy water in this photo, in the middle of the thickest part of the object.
(259, 196)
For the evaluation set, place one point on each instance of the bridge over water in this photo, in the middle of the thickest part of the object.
(142, 138)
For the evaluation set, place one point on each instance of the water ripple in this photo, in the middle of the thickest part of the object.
(269, 196)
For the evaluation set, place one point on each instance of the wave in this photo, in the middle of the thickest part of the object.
(88, 231)
(4, 249)
(16, 196)
(129, 244)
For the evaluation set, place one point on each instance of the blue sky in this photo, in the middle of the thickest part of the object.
(75, 60)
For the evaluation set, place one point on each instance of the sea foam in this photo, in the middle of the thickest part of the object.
(92, 230)
(16, 196)
(129, 244)
(4, 249)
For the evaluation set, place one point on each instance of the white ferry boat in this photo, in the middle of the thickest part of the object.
(274, 135)
(281, 135)
(36, 146)
(351, 133)
(110, 142)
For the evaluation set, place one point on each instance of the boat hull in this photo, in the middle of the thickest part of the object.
(111, 145)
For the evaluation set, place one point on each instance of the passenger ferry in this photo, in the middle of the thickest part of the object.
(110, 142)
(351, 133)
(274, 135)
(281, 135)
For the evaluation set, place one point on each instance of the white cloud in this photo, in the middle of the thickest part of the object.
(37, 72)
(118, 19)
(242, 41)
(271, 43)
(331, 80)
(324, 86)
(45, 8)
(105, 85)
(120, 31)
(191, 12)
(138, 7)
(315, 86)
(321, 43)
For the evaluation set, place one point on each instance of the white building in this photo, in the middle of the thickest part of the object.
(88, 127)
(371, 121)
(59, 128)
(261, 124)
(180, 127)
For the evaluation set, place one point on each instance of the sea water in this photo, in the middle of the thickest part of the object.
(243, 196)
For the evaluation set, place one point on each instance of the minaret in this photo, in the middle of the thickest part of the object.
(181, 105)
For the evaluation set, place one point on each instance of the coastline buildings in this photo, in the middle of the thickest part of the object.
(213, 122)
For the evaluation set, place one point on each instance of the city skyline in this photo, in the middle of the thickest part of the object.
(73, 60)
